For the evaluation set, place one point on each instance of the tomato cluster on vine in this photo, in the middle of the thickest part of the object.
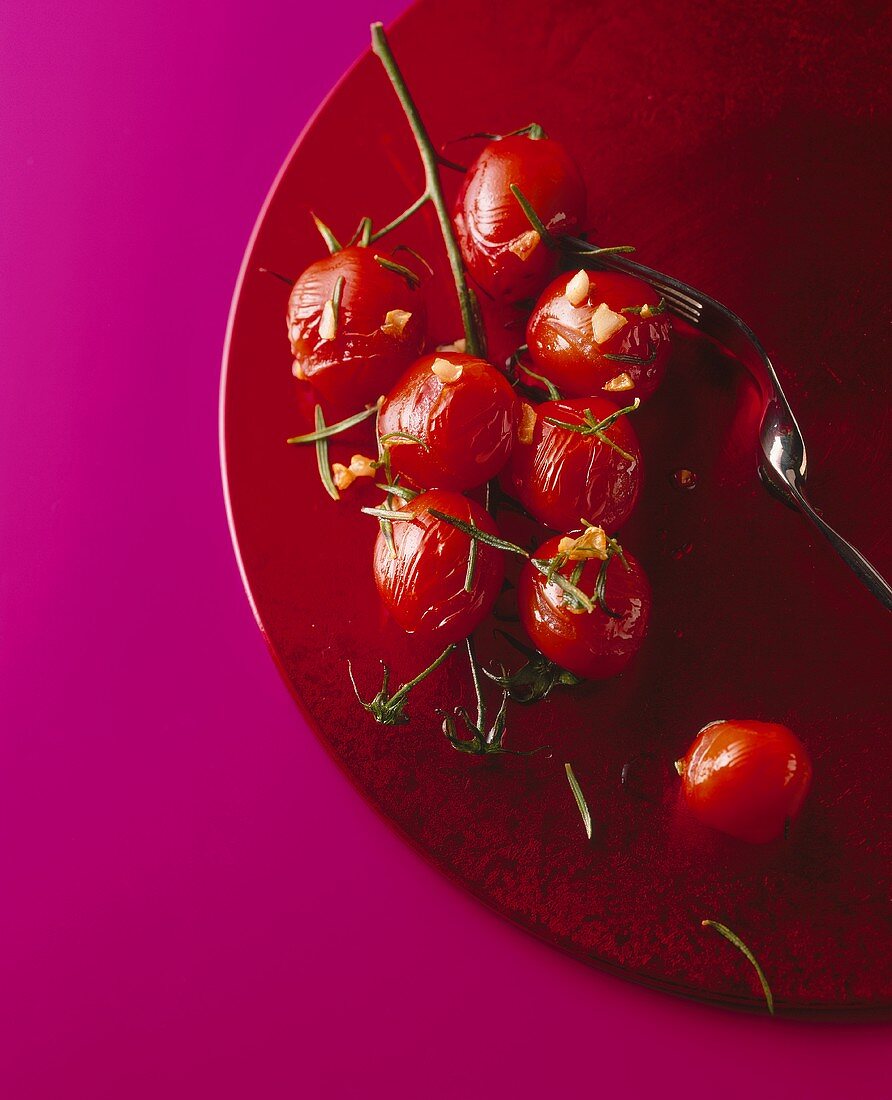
(549, 432)
(449, 423)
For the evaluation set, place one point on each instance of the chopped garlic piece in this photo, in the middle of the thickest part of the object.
(592, 543)
(577, 288)
(606, 323)
(461, 346)
(328, 326)
(395, 320)
(646, 311)
(619, 382)
(344, 476)
(523, 246)
(297, 371)
(447, 372)
(527, 423)
(361, 466)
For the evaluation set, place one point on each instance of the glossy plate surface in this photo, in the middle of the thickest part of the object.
(757, 174)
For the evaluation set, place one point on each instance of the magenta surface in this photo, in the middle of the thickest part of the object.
(194, 901)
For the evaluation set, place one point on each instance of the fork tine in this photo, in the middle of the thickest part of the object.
(680, 297)
(679, 305)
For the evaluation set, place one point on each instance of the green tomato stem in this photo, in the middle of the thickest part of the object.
(433, 188)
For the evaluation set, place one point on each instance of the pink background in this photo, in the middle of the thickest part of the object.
(193, 901)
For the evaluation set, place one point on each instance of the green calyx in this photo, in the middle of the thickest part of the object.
(390, 710)
(535, 679)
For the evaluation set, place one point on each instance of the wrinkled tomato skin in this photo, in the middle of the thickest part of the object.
(563, 348)
(562, 478)
(746, 778)
(423, 586)
(362, 362)
(488, 218)
(589, 644)
(467, 425)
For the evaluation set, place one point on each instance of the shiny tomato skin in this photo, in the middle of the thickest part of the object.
(746, 778)
(468, 424)
(563, 348)
(423, 586)
(563, 478)
(489, 220)
(362, 361)
(589, 644)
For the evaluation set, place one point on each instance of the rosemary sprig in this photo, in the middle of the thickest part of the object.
(277, 275)
(573, 245)
(581, 803)
(322, 456)
(472, 567)
(635, 360)
(653, 311)
(577, 246)
(732, 937)
(401, 491)
(403, 437)
(613, 550)
(386, 524)
(598, 428)
(581, 248)
(334, 429)
(532, 217)
(577, 596)
(533, 131)
(387, 513)
(475, 533)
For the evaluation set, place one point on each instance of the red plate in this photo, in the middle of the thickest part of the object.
(738, 148)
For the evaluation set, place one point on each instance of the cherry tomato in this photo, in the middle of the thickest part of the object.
(422, 583)
(594, 644)
(464, 412)
(563, 477)
(503, 253)
(600, 332)
(746, 778)
(354, 351)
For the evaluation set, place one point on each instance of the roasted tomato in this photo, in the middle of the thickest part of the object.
(600, 332)
(746, 778)
(352, 344)
(504, 254)
(462, 411)
(422, 580)
(595, 641)
(575, 461)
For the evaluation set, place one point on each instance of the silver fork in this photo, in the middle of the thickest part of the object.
(782, 462)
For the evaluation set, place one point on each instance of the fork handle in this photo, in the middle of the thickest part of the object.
(854, 559)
